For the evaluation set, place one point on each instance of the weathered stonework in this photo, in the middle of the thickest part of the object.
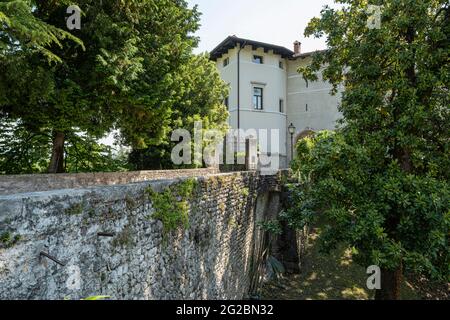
(132, 259)
(11, 184)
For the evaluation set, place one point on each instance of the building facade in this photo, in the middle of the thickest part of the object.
(267, 92)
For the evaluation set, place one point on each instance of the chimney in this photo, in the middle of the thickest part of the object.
(297, 47)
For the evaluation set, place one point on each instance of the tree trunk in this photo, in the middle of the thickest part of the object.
(390, 285)
(57, 160)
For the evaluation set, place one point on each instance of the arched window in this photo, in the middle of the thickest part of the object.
(304, 134)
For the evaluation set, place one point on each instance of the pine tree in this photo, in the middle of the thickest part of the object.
(123, 78)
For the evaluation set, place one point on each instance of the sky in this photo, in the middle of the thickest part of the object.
(279, 22)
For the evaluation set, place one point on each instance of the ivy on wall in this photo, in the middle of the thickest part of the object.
(7, 240)
(172, 205)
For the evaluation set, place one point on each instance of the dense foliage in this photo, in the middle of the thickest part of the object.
(382, 180)
(120, 71)
(22, 151)
(200, 98)
(22, 32)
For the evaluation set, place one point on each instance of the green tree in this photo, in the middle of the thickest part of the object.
(21, 31)
(382, 180)
(201, 92)
(123, 78)
(22, 151)
(86, 154)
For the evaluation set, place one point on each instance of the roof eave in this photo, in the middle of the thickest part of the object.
(231, 42)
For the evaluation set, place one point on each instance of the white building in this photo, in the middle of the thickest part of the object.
(267, 92)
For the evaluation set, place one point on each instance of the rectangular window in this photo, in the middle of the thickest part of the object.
(281, 65)
(258, 98)
(226, 62)
(281, 106)
(307, 109)
(257, 59)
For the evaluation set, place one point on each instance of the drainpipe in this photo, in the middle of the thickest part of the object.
(239, 94)
(239, 85)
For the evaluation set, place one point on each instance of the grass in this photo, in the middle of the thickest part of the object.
(335, 277)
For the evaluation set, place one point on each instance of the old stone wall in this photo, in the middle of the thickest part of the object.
(11, 184)
(127, 242)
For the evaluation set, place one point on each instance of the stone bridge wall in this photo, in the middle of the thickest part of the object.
(109, 242)
(11, 184)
